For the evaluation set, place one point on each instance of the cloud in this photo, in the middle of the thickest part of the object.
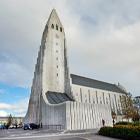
(5, 106)
(102, 39)
(18, 108)
(113, 55)
(3, 113)
(14, 74)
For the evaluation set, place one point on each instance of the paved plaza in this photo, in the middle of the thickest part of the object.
(20, 134)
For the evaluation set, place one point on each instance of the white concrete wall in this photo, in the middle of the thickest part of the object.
(53, 115)
(97, 96)
(81, 116)
(76, 115)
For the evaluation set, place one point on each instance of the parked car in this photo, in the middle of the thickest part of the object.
(34, 126)
(2, 126)
(20, 126)
(26, 126)
(12, 126)
(30, 126)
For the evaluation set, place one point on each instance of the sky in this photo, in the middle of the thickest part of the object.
(102, 40)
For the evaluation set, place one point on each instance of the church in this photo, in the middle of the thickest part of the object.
(60, 100)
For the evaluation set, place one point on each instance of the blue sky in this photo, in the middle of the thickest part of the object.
(102, 39)
(13, 100)
(12, 94)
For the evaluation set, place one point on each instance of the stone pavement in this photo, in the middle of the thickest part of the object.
(20, 134)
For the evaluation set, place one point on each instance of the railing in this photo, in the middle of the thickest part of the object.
(54, 127)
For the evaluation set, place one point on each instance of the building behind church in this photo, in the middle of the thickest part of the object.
(60, 100)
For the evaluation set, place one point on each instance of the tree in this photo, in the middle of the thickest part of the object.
(113, 117)
(16, 122)
(113, 114)
(9, 121)
(128, 109)
(136, 115)
(136, 104)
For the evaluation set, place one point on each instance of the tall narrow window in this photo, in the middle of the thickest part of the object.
(81, 94)
(96, 97)
(103, 98)
(106, 100)
(60, 29)
(121, 101)
(110, 100)
(89, 96)
(86, 100)
(100, 100)
(52, 26)
(57, 74)
(56, 27)
(93, 101)
(115, 101)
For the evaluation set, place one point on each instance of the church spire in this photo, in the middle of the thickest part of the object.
(52, 23)
(54, 20)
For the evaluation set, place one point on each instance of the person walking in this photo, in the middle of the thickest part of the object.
(103, 122)
(113, 122)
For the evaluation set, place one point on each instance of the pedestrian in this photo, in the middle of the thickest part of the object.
(41, 125)
(113, 122)
(103, 122)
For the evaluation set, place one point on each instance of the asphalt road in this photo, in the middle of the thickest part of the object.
(20, 134)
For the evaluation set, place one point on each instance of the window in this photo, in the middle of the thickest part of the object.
(60, 29)
(56, 27)
(109, 98)
(57, 66)
(100, 100)
(56, 43)
(115, 100)
(56, 58)
(106, 100)
(81, 94)
(89, 96)
(57, 74)
(93, 101)
(103, 98)
(96, 97)
(52, 26)
(56, 51)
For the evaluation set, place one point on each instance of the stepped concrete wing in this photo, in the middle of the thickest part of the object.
(57, 97)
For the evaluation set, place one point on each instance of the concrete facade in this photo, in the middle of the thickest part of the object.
(97, 96)
(62, 101)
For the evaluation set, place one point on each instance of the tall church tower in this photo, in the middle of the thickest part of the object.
(55, 69)
(51, 82)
